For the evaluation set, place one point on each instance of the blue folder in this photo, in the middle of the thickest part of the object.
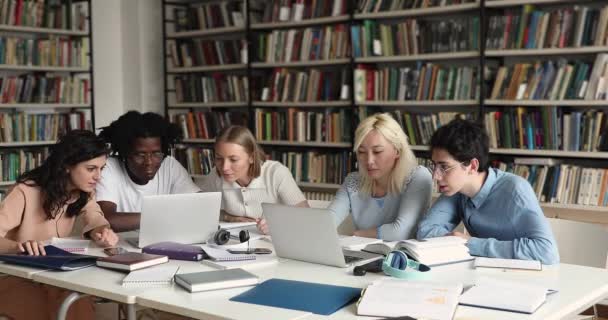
(55, 258)
(317, 298)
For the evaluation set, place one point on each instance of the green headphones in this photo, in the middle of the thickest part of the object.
(396, 264)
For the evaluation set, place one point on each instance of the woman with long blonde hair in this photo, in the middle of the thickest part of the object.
(389, 194)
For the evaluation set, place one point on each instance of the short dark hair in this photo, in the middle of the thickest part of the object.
(463, 140)
(52, 177)
(121, 133)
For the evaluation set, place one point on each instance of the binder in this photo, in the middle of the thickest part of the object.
(317, 298)
(55, 258)
(174, 250)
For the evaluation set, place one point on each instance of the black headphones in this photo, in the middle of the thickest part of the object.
(222, 236)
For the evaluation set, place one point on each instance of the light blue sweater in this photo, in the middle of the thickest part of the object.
(503, 218)
(396, 217)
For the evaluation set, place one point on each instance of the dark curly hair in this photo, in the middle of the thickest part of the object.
(464, 140)
(52, 176)
(121, 133)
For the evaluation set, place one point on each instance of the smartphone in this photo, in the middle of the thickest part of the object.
(250, 251)
(114, 251)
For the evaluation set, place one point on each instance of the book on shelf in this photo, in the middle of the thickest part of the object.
(566, 27)
(55, 258)
(328, 42)
(507, 295)
(296, 10)
(208, 89)
(158, 276)
(286, 85)
(200, 52)
(391, 297)
(294, 125)
(37, 126)
(198, 161)
(416, 36)
(563, 183)
(431, 251)
(217, 279)
(483, 262)
(425, 82)
(206, 125)
(174, 250)
(205, 16)
(131, 261)
(15, 162)
(47, 88)
(547, 128)
(45, 14)
(374, 6)
(52, 52)
(316, 167)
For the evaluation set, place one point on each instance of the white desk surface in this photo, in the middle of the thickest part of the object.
(19, 271)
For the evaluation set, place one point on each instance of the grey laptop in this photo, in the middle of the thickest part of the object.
(185, 218)
(309, 235)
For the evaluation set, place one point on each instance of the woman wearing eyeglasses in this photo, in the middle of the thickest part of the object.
(499, 209)
(389, 194)
(139, 166)
(246, 179)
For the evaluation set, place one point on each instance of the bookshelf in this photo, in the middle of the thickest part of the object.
(46, 82)
(437, 78)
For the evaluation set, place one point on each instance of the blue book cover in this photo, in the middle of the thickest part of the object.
(317, 298)
(55, 258)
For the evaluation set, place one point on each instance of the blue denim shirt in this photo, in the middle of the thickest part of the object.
(504, 220)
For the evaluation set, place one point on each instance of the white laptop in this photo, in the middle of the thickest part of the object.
(310, 235)
(185, 218)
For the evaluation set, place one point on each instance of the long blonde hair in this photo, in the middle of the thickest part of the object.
(242, 136)
(384, 124)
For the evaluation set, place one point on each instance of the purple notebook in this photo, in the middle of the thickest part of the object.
(177, 251)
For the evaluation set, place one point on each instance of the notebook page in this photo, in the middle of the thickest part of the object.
(505, 295)
(508, 263)
(71, 245)
(154, 276)
(223, 255)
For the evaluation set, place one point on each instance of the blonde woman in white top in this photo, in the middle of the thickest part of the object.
(247, 180)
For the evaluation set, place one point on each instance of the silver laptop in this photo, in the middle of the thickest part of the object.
(310, 235)
(185, 218)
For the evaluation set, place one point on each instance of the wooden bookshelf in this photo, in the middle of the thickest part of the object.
(551, 153)
(545, 52)
(332, 187)
(512, 3)
(45, 105)
(412, 103)
(205, 141)
(205, 33)
(24, 29)
(418, 12)
(418, 57)
(541, 103)
(27, 143)
(44, 68)
(223, 67)
(312, 104)
(302, 23)
(293, 64)
(187, 105)
(319, 144)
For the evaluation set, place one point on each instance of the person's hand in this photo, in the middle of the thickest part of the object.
(262, 226)
(230, 218)
(32, 248)
(459, 234)
(104, 237)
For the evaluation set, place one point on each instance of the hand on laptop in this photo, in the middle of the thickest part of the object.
(262, 225)
(230, 218)
(104, 236)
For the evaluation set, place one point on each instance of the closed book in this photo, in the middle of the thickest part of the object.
(174, 250)
(157, 276)
(218, 279)
(131, 261)
(55, 258)
(504, 295)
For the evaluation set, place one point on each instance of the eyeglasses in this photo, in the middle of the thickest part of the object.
(441, 170)
(141, 157)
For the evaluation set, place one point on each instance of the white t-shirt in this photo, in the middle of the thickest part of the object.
(116, 186)
(274, 185)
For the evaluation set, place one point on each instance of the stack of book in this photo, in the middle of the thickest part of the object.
(370, 6)
(297, 10)
(206, 125)
(210, 16)
(215, 88)
(198, 52)
(300, 86)
(317, 167)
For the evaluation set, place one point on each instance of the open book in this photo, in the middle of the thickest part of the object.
(391, 297)
(505, 295)
(431, 251)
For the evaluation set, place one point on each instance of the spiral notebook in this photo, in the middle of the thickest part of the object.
(150, 277)
(216, 254)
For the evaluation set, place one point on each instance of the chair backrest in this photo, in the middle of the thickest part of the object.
(581, 243)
